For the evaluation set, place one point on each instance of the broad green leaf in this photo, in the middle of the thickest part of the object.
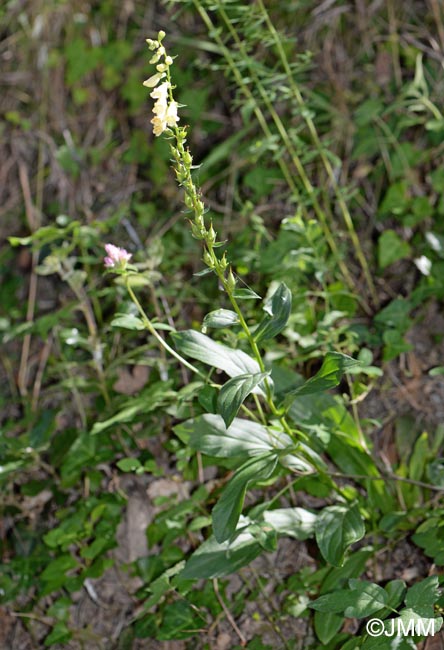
(326, 625)
(391, 248)
(423, 595)
(129, 464)
(214, 560)
(128, 321)
(337, 527)
(234, 392)
(353, 567)
(227, 511)
(345, 446)
(220, 318)
(58, 634)
(395, 595)
(333, 603)
(360, 600)
(180, 620)
(57, 568)
(198, 346)
(396, 314)
(208, 434)
(278, 309)
(333, 367)
(294, 522)
(368, 598)
(384, 641)
(430, 536)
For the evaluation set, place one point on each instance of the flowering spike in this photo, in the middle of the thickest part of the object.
(165, 108)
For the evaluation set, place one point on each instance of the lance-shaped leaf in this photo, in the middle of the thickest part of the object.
(295, 522)
(227, 511)
(278, 309)
(198, 346)
(336, 528)
(333, 367)
(234, 392)
(214, 560)
(207, 433)
(128, 321)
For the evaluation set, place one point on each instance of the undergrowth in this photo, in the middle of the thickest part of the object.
(204, 435)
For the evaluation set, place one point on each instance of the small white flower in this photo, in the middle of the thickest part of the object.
(423, 264)
(433, 241)
(171, 114)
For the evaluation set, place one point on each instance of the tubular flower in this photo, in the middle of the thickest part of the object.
(165, 108)
(116, 258)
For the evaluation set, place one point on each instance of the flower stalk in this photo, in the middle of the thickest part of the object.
(183, 166)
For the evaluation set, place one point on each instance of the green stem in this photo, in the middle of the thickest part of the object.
(149, 326)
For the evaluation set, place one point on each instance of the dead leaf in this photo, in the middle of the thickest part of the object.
(130, 383)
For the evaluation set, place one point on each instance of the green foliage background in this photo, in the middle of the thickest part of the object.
(318, 128)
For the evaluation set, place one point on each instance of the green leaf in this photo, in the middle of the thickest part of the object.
(58, 634)
(423, 595)
(391, 248)
(180, 620)
(57, 568)
(245, 294)
(395, 595)
(368, 598)
(360, 600)
(129, 464)
(294, 522)
(150, 400)
(353, 567)
(219, 319)
(227, 511)
(214, 560)
(234, 392)
(419, 457)
(198, 346)
(278, 309)
(337, 527)
(333, 603)
(161, 585)
(326, 625)
(430, 536)
(208, 434)
(333, 367)
(128, 321)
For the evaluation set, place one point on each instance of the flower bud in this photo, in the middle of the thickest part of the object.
(231, 281)
(211, 237)
(208, 260)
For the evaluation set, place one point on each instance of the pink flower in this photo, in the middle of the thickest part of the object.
(116, 257)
